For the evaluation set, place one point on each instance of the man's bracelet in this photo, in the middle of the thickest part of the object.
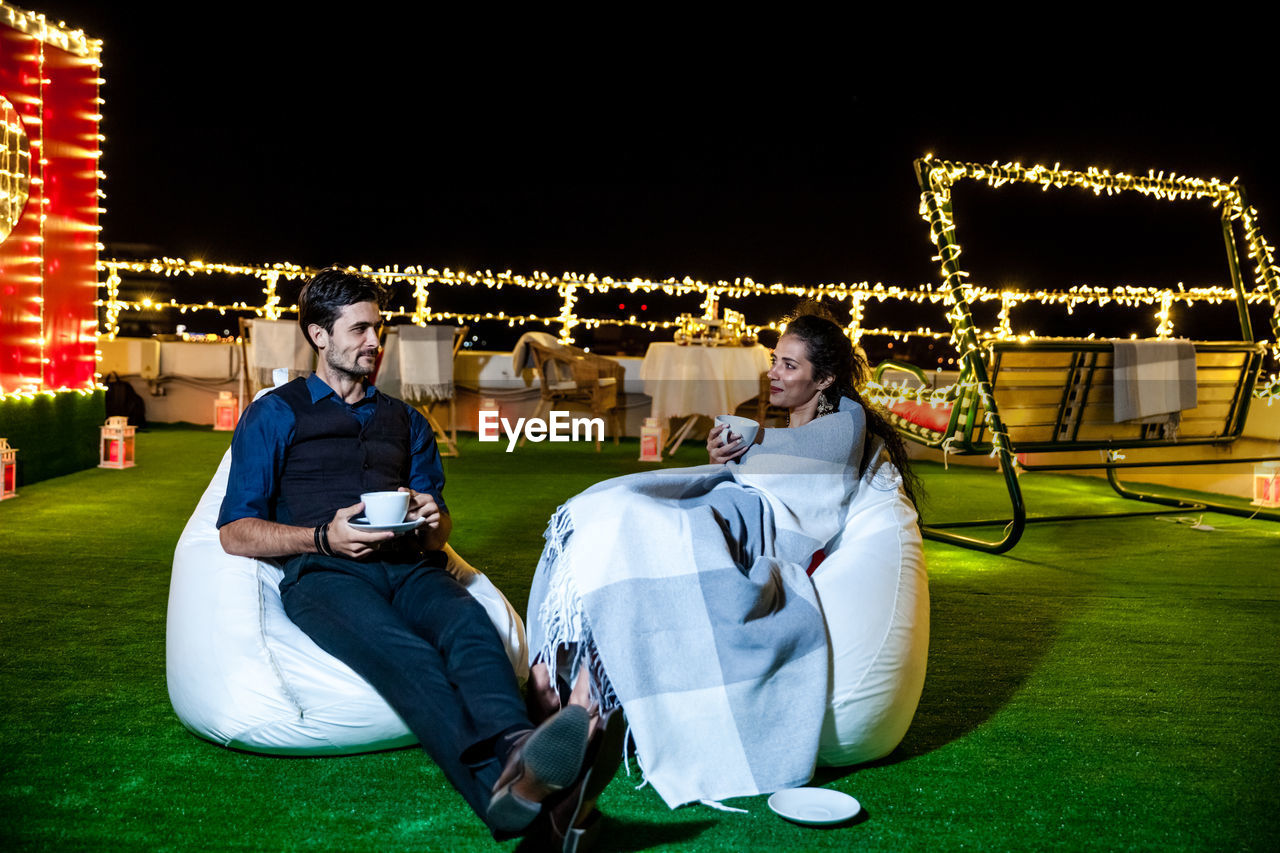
(322, 540)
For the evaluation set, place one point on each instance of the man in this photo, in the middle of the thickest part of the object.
(386, 606)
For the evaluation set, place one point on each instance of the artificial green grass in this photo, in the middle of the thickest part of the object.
(1107, 685)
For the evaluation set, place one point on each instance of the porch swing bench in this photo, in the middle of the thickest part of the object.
(1058, 395)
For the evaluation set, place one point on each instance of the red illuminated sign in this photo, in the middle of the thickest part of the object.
(49, 203)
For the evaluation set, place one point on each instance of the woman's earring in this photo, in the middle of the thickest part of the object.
(824, 405)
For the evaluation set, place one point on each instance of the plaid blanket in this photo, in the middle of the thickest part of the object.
(721, 668)
(1154, 381)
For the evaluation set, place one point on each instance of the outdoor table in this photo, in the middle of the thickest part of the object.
(693, 380)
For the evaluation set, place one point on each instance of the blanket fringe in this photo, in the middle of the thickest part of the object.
(426, 392)
(639, 764)
(561, 614)
(567, 639)
(626, 750)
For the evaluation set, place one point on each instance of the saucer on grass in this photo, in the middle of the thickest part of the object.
(814, 806)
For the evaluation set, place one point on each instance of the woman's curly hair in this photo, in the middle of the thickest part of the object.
(833, 355)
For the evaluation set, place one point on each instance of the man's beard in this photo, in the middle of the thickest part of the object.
(355, 369)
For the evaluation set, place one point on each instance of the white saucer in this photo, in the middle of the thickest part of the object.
(814, 806)
(362, 523)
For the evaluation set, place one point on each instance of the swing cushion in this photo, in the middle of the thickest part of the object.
(934, 418)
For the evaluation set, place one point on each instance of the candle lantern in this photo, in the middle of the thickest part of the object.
(1266, 484)
(650, 441)
(8, 470)
(226, 411)
(116, 447)
(488, 404)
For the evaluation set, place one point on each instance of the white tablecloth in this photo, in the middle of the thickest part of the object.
(699, 380)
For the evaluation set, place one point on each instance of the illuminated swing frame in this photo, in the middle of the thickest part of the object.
(967, 433)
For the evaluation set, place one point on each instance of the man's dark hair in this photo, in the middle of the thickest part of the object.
(328, 292)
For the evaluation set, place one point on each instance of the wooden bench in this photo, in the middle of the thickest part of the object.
(1055, 396)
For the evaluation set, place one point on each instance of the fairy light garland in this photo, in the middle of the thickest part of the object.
(420, 301)
(1164, 325)
(938, 176)
(886, 394)
(941, 175)
(1266, 273)
(570, 286)
(58, 35)
(935, 203)
(568, 319)
(41, 158)
(956, 293)
(30, 394)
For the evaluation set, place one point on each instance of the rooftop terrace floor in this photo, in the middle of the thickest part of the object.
(1107, 685)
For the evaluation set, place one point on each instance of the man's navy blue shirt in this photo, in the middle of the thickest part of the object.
(263, 436)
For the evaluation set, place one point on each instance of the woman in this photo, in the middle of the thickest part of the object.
(681, 594)
(814, 366)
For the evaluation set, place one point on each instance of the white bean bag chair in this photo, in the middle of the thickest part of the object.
(875, 597)
(243, 675)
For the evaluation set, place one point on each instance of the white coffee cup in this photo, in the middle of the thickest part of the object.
(383, 508)
(738, 427)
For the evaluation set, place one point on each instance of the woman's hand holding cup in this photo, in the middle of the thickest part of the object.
(730, 437)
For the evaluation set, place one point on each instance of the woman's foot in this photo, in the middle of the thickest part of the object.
(541, 698)
(581, 692)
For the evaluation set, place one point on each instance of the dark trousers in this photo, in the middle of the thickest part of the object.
(415, 634)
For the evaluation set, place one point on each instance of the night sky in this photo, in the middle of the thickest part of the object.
(377, 137)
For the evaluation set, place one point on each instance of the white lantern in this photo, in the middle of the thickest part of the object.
(650, 441)
(116, 446)
(1266, 484)
(226, 411)
(488, 404)
(8, 470)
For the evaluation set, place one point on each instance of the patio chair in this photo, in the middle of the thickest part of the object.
(417, 367)
(567, 375)
(272, 344)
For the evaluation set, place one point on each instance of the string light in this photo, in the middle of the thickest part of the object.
(15, 168)
(957, 294)
(937, 178)
(50, 393)
(569, 286)
(566, 286)
(59, 35)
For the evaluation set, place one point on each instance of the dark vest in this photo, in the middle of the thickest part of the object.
(333, 459)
